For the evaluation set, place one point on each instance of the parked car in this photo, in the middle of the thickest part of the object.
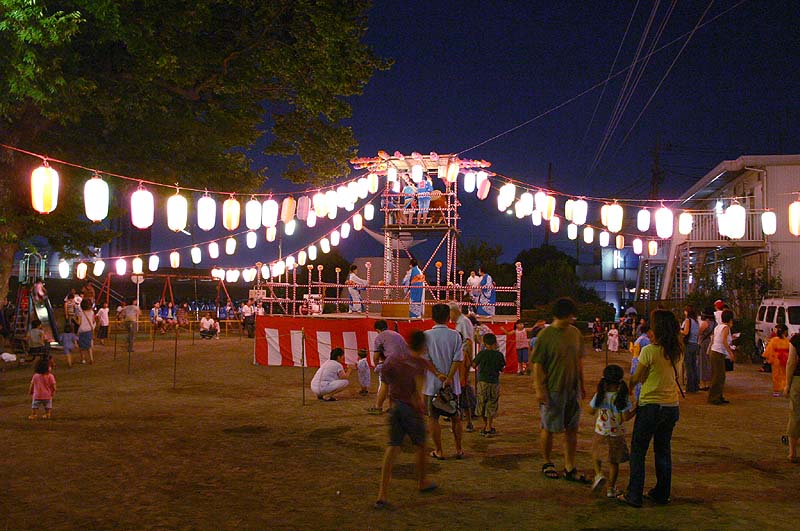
(776, 309)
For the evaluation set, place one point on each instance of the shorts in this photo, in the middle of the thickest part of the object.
(431, 411)
(522, 355)
(47, 404)
(85, 340)
(562, 412)
(405, 420)
(102, 332)
(488, 398)
(611, 449)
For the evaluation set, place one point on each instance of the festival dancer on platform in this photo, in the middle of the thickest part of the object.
(487, 297)
(416, 297)
(356, 285)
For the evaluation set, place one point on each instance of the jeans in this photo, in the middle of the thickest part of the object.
(691, 362)
(654, 422)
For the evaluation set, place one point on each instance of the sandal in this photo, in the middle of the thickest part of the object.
(460, 455)
(623, 498)
(549, 471)
(329, 399)
(437, 456)
(572, 475)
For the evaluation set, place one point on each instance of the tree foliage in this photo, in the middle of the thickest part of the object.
(549, 274)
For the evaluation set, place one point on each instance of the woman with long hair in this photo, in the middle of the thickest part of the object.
(657, 411)
(690, 330)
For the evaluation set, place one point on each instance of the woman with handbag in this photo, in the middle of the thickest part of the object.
(86, 330)
(721, 350)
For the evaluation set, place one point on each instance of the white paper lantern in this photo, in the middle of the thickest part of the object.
(452, 171)
(175, 259)
(483, 189)
(345, 230)
(302, 257)
(230, 246)
(470, 180)
(269, 213)
(265, 271)
(540, 200)
(311, 220)
(580, 210)
(722, 224)
(358, 222)
(231, 213)
(643, 220)
(251, 239)
(604, 215)
(568, 208)
(95, 199)
(372, 184)
(44, 189)
(416, 173)
(549, 207)
(290, 263)
(213, 250)
(369, 212)
(685, 223)
(536, 218)
(620, 241)
(177, 212)
(604, 238)
(664, 222)
(319, 204)
(206, 213)
(335, 237)
(80, 270)
(252, 214)
(289, 227)
(652, 246)
(331, 203)
(794, 218)
(303, 208)
(325, 245)
(63, 268)
(555, 224)
(527, 201)
(152, 263)
(196, 255)
(272, 233)
(572, 231)
(391, 174)
(98, 268)
(142, 208)
(588, 234)
(637, 246)
(312, 252)
(736, 221)
(232, 276)
(249, 274)
(615, 216)
(137, 266)
(506, 197)
(121, 266)
(362, 187)
(288, 208)
(769, 223)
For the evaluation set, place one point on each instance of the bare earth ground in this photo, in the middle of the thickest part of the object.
(234, 448)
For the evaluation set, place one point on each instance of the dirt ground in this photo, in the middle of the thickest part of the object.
(233, 447)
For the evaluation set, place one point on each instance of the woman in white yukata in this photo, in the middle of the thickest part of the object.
(356, 286)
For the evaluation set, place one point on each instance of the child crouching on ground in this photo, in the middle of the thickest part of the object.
(42, 389)
(489, 363)
(364, 377)
(613, 407)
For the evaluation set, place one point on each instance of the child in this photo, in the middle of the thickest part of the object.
(363, 372)
(777, 355)
(70, 342)
(613, 339)
(43, 388)
(489, 363)
(383, 390)
(520, 334)
(641, 342)
(36, 339)
(613, 407)
(102, 321)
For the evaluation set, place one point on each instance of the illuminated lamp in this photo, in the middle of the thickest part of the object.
(358, 222)
(252, 214)
(177, 212)
(580, 209)
(391, 174)
(615, 216)
(319, 204)
(685, 223)
(290, 261)
(272, 233)
(342, 196)
(652, 247)
(362, 188)
(311, 220)
(44, 189)
(568, 206)
(121, 266)
(206, 213)
(369, 212)
(736, 221)
(572, 231)
(480, 178)
(643, 220)
(289, 227)
(312, 252)
(196, 255)
(540, 201)
(331, 203)
(416, 173)
(142, 208)
(527, 201)
(98, 268)
(335, 237)
(549, 207)
(302, 256)
(372, 184)
(794, 218)
(664, 222)
(345, 230)
(536, 218)
(265, 271)
(620, 241)
(303, 208)
(637, 246)
(249, 274)
(769, 223)
(251, 240)
(588, 234)
(232, 276)
(95, 198)
(452, 171)
(325, 245)
(555, 224)
(604, 238)
(269, 213)
(231, 213)
(152, 263)
(484, 188)
(175, 259)
(230, 245)
(396, 187)
(213, 250)
(63, 268)
(519, 209)
(604, 215)
(137, 266)
(81, 270)
(470, 181)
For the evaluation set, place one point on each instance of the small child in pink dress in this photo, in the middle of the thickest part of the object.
(43, 388)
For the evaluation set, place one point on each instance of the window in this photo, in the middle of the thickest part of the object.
(770, 314)
(761, 312)
(781, 315)
(794, 315)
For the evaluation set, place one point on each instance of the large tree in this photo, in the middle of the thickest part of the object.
(173, 91)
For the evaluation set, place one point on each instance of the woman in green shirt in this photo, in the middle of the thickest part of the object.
(657, 410)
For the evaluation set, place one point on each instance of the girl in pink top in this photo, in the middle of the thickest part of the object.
(43, 387)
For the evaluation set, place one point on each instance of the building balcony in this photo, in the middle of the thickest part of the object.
(705, 232)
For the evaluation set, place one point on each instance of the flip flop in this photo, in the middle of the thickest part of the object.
(329, 399)
(575, 477)
(437, 456)
(549, 471)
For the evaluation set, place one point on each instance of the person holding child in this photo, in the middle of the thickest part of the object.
(489, 363)
(612, 408)
(42, 389)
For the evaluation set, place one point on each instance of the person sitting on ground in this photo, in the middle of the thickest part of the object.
(208, 327)
(332, 377)
(489, 363)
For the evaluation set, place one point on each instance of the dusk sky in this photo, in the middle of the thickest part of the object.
(466, 71)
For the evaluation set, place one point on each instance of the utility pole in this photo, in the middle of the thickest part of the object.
(549, 187)
(657, 173)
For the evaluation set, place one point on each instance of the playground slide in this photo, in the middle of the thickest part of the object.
(44, 312)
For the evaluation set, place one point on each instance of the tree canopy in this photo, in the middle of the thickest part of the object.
(172, 92)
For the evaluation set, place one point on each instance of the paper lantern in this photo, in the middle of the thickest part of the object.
(177, 212)
(80, 270)
(311, 220)
(272, 233)
(231, 213)
(265, 271)
(303, 208)
(350, 207)
(63, 268)
(331, 203)
(251, 239)
(142, 208)
(588, 234)
(652, 247)
(555, 224)
(319, 204)
(484, 188)
(568, 206)
(372, 184)
(685, 223)
(44, 189)
(137, 266)
(152, 263)
(580, 210)
(527, 201)
(269, 213)
(470, 180)
(615, 215)
(95, 198)
(540, 201)
(572, 231)
(416, 173)
(230, 246)
(794, 218)
(213, 250)
(536, 218)
(549, 207)
(637, 246)
(664, 222)
(252, 214)
(604, 215)
(335, 236)
(480, 178)
(769, 223)
(232, 276)
(519, 209)
(325, 245)
(121, 266)
(289, 227)
(391, 174)
(722, 224)
(506, 196)
(290, 263)
(206, 213)
(196, 255)
(302, 257)
(249, 274)
(345, 230)
(369, 212)
(362, 188)
(175, 259)
(312, 252)
(288, 208)
(620, 241)
(99, 267)
(643, 220)
(604, 238)
(358, 222)
(736, 221)
(452, 171)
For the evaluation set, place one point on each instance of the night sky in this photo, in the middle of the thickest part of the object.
(466, 71)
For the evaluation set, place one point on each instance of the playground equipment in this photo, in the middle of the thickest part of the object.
(32, 302)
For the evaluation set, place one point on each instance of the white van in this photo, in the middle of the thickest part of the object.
(775, 309)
